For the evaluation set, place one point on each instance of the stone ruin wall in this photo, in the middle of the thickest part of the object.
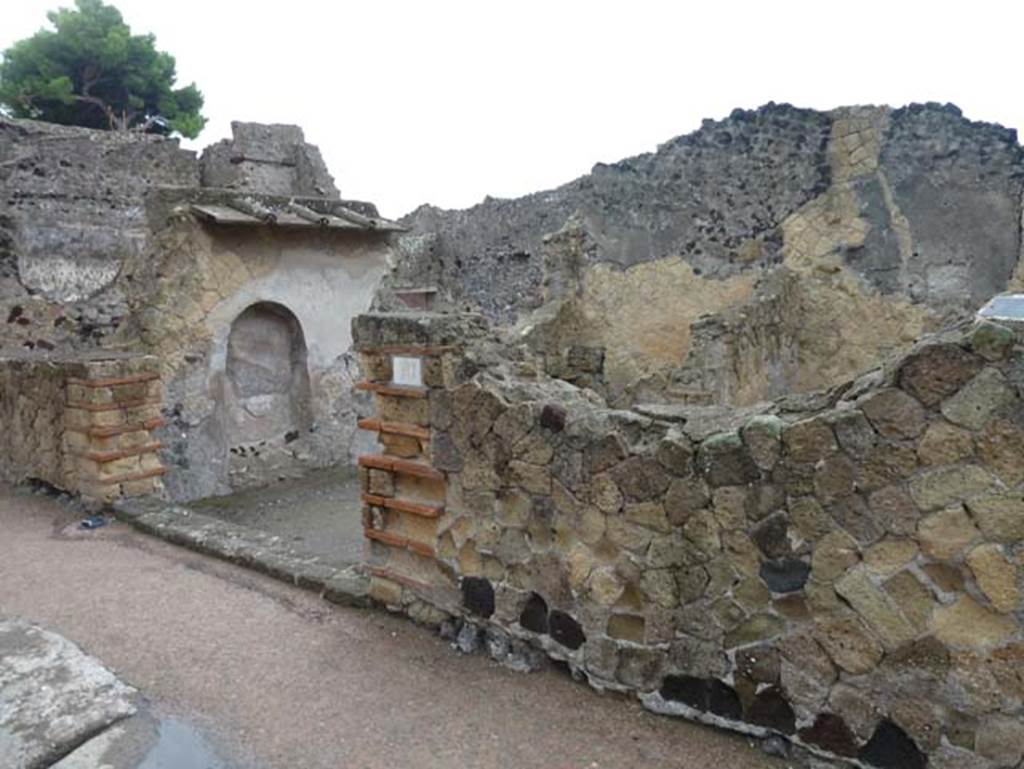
(84, 425)
(98, 251)
(882, 223)
(844, 573)
(72, 213)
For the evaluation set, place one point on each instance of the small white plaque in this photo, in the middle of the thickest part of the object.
(1004, 307)
(406, 371)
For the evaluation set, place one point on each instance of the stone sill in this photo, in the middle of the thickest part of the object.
(251, 548)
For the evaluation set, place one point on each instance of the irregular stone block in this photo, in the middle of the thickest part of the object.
(1000, 516)
(1001, 739)
(553, 417)
(763, 438)
(724, 460)
(604, 453)
(934, 373)
(873, 605)
(640, 668)
(723, 700)
(808, 519)
(945, 577)
(760, 627)
(849, 645)
(729, 507)
(984, 396)
(996, 576)
(675, 452)
(925, 657)
(803, 651)
(969, 625)
(760, 664)
(640, 478)
(855, 434)
(689, 690)
(771, 536)
(852, 514)
(890, 555)
(565, 630)
(785, 575)
(705, 694)
(891, 748)
(1000, 448)
(912, 598)
(771, 710)
(684, 497)
(937, 488)
(953, 757)
(626, 627)
(991, 341)
(886, 464)
(581, 562)
(727, 613)
(534, 449)
(535, 479)
(894, 414)
(548, 577)
(648, 514)
(830, 733)
(806, 692)
(691, 582)
(478, 596)
(605, 586)
(834, 478)
(751, 594)
(601, 657)
(659, 585)
(860, 712)
(833, 555)
(702, 530)
(944, 535)
(920, 718)
(627, 535)
(944, 444)
(808, 441)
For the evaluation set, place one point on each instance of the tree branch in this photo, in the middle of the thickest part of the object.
(98, 102)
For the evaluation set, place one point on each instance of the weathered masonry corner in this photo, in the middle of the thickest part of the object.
(411, 363)
(83, 425)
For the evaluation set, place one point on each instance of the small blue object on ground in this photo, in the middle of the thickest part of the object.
(93, 522)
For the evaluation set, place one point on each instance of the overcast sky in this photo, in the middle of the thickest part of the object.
(446, 102)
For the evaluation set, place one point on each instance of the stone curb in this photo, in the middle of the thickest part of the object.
(254, 549)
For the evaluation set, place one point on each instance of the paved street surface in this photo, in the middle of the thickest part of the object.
(243, 672)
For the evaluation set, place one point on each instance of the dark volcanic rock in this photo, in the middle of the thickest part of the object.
(771, 710)
(565, 630)
(830, 732)
(478, 596)
(891, 748)
(534, 616)
(785, 575)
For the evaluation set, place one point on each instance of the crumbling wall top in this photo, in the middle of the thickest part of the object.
(268, 158)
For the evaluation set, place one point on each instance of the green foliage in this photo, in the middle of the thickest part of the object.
(90, 70)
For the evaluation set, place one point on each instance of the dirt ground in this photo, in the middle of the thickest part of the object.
(273, 676)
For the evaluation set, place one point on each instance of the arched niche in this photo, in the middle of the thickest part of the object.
(267, 381)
